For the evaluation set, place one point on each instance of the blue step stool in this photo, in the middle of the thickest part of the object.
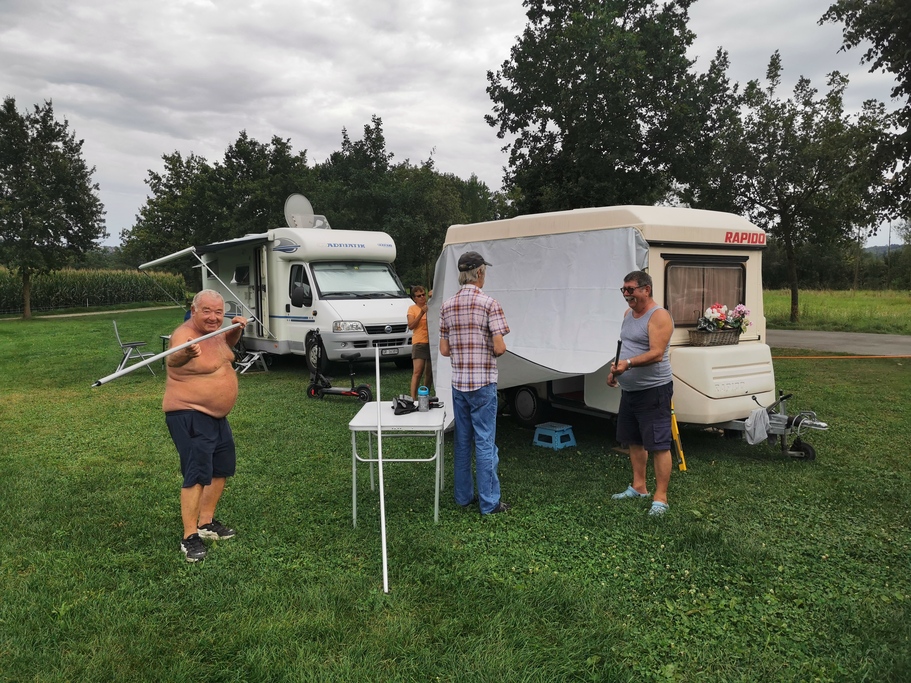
(554, 435)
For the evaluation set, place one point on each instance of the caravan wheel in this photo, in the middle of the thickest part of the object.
(528, 409)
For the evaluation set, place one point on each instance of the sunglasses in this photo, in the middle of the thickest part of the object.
(630, 290)
(422, 294)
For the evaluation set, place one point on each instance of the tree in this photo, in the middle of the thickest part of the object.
(884, 27)
(352, 185)
(423, 204)
(804, 170)
(194, 202)
(600, 100)
(178, 208)
(49, 206)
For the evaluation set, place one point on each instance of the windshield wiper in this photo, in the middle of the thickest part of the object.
(353, 295)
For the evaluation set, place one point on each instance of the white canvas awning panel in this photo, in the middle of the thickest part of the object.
(560, 294)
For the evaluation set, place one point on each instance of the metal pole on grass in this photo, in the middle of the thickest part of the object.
(163, 354)
(379, 456)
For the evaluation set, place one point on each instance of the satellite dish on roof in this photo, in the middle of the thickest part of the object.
(298, 212)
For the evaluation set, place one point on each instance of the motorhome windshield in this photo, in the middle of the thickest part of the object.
(357, 279)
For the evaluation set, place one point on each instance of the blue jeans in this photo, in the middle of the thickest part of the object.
(476, 421)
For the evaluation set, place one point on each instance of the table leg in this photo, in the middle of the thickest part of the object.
(438, 478)
(354, 479)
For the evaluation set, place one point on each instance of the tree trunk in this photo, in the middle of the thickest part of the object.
(26, 295)
(792, 270)
(857, 255)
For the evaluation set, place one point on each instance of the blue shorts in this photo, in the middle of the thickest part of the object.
(205, 445)
(644, 418)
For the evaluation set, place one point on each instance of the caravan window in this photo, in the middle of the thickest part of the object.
(694, 285)
(357, 279)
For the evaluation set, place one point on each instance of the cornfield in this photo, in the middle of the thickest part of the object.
(84, 288)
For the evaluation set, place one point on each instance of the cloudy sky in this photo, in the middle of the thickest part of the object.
(137, 80)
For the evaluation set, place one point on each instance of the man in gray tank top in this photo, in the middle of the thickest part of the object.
(643, 372)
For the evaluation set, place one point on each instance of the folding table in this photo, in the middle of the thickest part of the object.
(427, 425)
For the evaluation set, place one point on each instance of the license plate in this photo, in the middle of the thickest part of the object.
(389, 352)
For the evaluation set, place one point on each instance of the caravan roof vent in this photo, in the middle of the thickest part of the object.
(299, 212)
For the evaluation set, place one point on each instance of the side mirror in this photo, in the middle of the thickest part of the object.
(301, 296)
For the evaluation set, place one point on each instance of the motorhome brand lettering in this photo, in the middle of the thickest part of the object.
(343, 245)
(744, 238)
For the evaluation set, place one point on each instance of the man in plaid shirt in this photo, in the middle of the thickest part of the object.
(472, 327)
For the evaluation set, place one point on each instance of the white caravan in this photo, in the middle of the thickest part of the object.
(558, 275)
(306, 276)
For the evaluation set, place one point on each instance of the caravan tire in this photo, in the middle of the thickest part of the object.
(528, 409)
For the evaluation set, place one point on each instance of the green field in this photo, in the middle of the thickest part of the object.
(766, 568)
(885, 312)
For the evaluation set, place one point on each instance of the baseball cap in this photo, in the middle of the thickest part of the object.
(471, 260)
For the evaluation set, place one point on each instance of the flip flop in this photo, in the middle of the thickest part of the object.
(658, 509)
(630, 493)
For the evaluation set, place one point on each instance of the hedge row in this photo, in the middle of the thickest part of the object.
(84, 288)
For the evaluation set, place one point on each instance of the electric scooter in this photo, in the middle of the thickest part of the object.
(320, 384)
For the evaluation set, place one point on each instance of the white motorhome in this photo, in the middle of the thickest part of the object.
(557, 276)
(295, 279)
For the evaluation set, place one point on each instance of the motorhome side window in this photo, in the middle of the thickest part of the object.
(298, 279)
(691, 287)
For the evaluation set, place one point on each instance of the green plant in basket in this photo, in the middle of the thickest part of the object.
(718, 318)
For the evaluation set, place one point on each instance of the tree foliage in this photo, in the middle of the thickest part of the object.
(358, 187)
(194, 202)
(803, 169)
(601, 103)
(49, 206)
(884, 28)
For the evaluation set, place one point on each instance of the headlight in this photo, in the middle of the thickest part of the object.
(347, 326)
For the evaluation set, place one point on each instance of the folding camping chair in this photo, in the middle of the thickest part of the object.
(131, 350)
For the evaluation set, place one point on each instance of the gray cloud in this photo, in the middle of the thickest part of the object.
(137, 80)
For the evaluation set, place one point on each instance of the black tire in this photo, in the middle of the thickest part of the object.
(734, 434)
(314, 391)
(364, 393)
(313, 353)
(800, 446)
(527, 408)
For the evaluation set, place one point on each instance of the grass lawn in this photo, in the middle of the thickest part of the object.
(766, 569)
(885, 311)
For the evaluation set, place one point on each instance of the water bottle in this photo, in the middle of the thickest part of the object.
(423, 399)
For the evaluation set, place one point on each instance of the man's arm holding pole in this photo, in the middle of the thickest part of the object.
(163, 354)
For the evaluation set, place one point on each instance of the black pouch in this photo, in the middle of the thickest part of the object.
(401, 405)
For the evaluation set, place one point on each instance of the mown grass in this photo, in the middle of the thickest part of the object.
(766, 569)
(882, 311)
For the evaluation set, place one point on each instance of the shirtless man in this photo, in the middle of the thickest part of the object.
(201, 390)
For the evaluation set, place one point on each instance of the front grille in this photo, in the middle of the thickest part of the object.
(381, 343)
(381, 329)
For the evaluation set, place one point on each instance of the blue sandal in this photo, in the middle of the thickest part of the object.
(658, 509)
(630, 493)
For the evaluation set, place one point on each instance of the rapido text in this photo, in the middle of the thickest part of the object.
(744, 238)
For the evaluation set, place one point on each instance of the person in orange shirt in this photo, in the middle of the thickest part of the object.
(420, 340)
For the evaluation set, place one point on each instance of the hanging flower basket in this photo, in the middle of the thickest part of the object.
(720, 326)
(716, 338)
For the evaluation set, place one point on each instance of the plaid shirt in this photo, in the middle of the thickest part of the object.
(469, 320)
